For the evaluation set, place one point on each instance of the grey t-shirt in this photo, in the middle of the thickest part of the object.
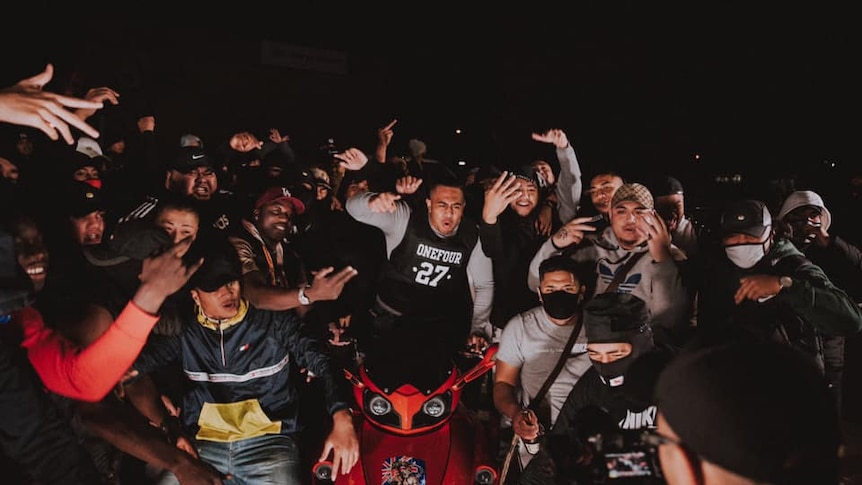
(533, 343)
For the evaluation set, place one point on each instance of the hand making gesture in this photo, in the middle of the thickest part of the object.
(557, 137)
(26, 104)
(352, 159)
(573, 232)
(658, 237)
(498, 196)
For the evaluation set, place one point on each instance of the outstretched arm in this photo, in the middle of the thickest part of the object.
(26, 104)
(90, 373)
(569, 185)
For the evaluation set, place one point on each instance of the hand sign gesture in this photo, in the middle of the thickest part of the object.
(352, 159)
(385, 134)
(557, 137)
(498, 196)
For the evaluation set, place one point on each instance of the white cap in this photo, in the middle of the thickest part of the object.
(88, 146)
(802, 198)
(189, 140)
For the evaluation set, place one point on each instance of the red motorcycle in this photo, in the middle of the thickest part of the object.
(414, 428)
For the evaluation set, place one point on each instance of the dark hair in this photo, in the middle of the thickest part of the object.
(560, 262)
(452, 182)
(610, 172)
(177, 202)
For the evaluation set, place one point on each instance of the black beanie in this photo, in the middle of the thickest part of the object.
(760, 410)
(615, 317)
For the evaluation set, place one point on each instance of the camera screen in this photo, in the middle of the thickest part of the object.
(629, 464)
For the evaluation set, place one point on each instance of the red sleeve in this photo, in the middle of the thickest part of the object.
(86, 374)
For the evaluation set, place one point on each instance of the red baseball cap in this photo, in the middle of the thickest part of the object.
(279, 194)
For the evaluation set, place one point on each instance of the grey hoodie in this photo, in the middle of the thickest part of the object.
(658, 284)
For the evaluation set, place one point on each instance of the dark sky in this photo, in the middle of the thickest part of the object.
(772, 86)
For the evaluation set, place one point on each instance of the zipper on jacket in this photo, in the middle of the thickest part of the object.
(221, 338)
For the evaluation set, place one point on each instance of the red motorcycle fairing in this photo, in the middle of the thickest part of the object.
(406, 404)
(410, 437)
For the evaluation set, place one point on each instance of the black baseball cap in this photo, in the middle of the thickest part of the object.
(189, 158)
(132, 240)
(82, 199)
(748, 216)
(221, 264)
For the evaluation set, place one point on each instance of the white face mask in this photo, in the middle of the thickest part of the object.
(745, 255)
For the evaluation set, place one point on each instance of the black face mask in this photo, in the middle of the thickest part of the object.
(561, 304)
(611, 371)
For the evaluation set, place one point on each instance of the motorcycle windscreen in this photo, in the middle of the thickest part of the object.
(405, 358)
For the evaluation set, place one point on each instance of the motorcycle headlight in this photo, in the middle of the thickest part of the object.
(379, 406)
(434, 407)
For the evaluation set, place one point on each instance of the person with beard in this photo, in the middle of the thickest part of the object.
(192, 174)
(614, 394)
(531, 345)
(510, 237)
(805, 221)
(274, 275)
(637, 238)
(763, 288)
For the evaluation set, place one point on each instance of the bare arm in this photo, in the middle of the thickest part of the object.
(524, 422)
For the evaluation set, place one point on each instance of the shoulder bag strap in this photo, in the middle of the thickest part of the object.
(623, 271)
(564, 356)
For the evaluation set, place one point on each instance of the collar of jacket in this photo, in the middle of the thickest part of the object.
(215, 324)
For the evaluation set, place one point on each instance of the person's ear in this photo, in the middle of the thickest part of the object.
(256, 215)
(679, 464)
(196, 297)
(428, 204)
(168, 180)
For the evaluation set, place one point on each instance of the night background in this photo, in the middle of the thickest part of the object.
(709, 92)
(694, 91)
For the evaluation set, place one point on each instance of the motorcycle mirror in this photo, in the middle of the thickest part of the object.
(488, 361)
(353, 379)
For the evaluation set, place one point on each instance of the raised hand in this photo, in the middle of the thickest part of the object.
(244, 142)
(325, 287)
(100, 95)
(163, 275)
(573, 232)
(658, 236)
(26, 104)
(352, 159)
(555, 136)
(276, 137)
(385, 134)
(407, 185)
(384, 202)
(498, 196)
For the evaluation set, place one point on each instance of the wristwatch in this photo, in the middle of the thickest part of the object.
(303, 300)
(784, 282)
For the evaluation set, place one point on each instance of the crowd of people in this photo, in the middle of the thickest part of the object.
(185, 316)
